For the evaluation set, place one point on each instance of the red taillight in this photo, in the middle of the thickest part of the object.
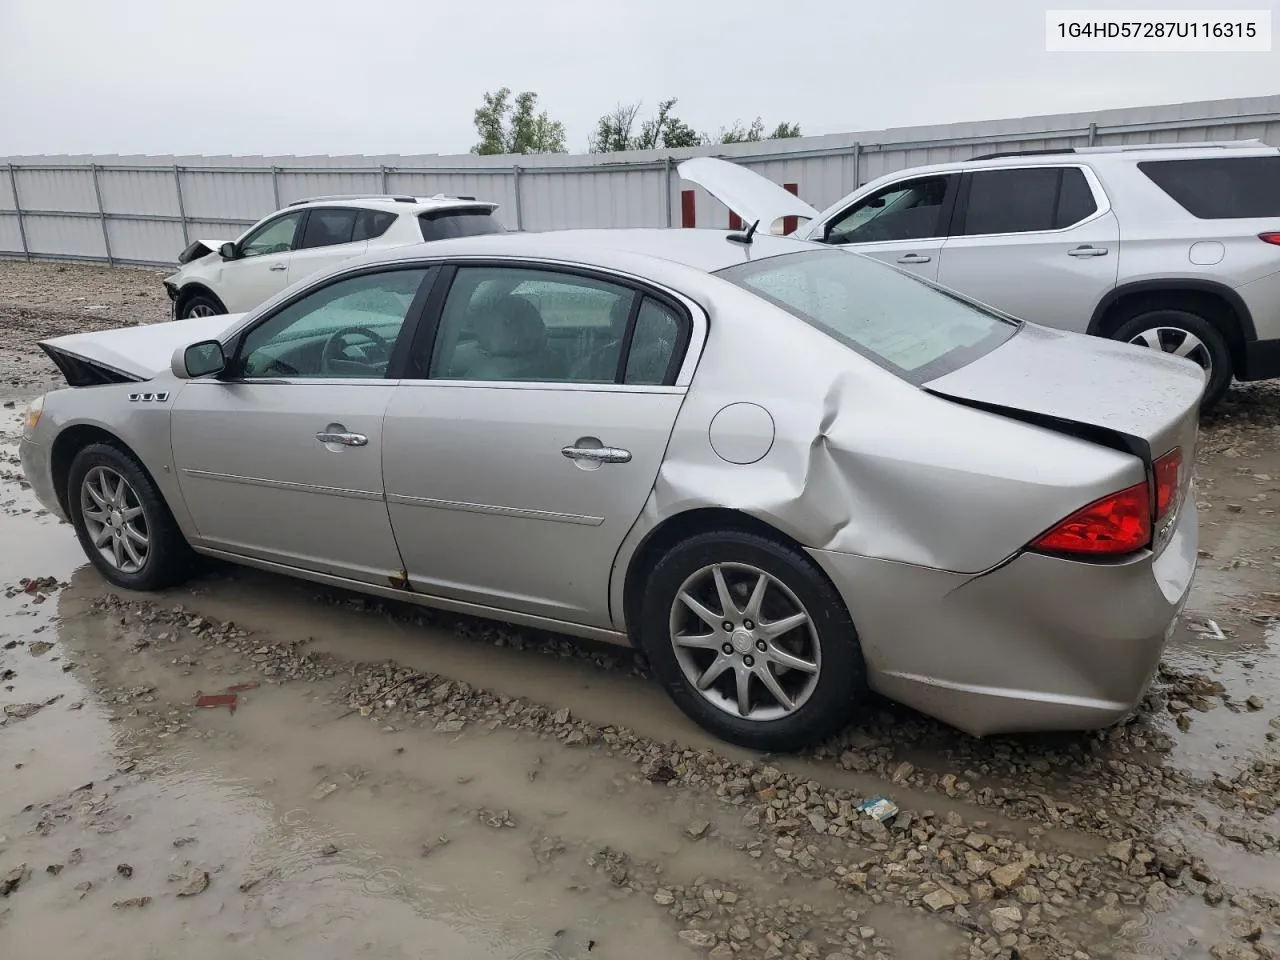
(1112, 526)
(1168, 471)
(1270, 237)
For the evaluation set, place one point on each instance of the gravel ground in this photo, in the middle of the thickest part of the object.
(377, 780)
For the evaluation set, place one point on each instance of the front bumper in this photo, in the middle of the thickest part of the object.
(1261, 360)
(1038, 644)
(37, 468)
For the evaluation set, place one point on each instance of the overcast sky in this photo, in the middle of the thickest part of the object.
(405, 76)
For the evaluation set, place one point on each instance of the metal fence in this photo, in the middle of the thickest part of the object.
(144, 210)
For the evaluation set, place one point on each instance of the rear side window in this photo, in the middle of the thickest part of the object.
(1024, 201)
(371, 224)
(895, 320)
(445, 224)
(326, 228)
(1220, 188)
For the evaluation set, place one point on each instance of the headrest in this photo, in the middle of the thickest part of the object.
(510, 327)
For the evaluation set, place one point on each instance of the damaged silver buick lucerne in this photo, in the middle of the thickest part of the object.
(787, 474)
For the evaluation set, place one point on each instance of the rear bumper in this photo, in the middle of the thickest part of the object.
(1261, 360)
(1039, 644)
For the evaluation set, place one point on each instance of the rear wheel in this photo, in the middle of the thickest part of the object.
(1184, 334)
(200, 305)
(752, 641)
(123, 523)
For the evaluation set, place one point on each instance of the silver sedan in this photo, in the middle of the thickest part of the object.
(787, 474)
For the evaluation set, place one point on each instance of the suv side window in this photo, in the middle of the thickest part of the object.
(1025, 200)
(1220, 188)
(910, 210)
(371, 224)
(327, 228)
(274, 236)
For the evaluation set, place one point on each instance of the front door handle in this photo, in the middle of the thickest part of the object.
(1087, 251)
(913, 258)
(278, 266)
(598, 454)
(345, 439)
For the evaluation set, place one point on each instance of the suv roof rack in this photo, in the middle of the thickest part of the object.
(398, 198)
(1126, 148)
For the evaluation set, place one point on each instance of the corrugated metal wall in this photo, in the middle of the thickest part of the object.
(143, 210)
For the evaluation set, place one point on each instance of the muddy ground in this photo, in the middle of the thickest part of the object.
(399, 783)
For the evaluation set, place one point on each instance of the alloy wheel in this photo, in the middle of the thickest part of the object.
(745, 641)
(114, 519)
(200, 310)
(1179, 342)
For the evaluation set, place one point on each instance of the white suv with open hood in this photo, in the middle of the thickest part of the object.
(234, 276)
(1170, 246)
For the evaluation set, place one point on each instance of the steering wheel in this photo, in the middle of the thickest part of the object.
(332, 359)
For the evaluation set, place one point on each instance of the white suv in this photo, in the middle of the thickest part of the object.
(234, 276)
(1174, 246)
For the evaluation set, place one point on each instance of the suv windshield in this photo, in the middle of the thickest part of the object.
(444, 224)
(901, 323)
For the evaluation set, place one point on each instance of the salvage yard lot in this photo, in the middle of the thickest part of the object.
(402, 783)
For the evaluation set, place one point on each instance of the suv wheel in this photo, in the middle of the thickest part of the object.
(751, 641)
(200, 305)
(1187, 335)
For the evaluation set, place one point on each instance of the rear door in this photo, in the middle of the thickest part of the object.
(903, 223)
(328, 238)
(262, 268)
(527, 437)
(1039, 242)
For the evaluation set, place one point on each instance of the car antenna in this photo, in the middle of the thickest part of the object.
(744, 237)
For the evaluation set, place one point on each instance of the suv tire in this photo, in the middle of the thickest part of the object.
(1185, 334)
(199, 305)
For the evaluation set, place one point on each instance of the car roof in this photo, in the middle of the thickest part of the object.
(398, 203)
(625, 249)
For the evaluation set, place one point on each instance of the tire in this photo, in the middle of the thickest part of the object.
(1170, 328)
(822, 700)
(166, 558)
(199, 305)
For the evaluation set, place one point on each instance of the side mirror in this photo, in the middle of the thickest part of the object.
(228, 251)
(201, 359)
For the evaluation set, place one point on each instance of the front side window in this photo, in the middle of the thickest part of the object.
(328, 228)
(895, 320)
(346, 329)
(1026, 200)
(446, 224)
(902, 211)
(1220, 188)
(275, 236)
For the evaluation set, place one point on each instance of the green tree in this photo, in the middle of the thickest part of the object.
(515, 126)
(785, 131)
(740, 134)
(613, 130)
(664, 130)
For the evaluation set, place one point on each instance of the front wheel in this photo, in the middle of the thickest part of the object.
(122, 521)
(751, 641)
(200, 305)
(1184, 334)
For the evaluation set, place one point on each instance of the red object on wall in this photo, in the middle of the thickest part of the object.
(687, 215)
(789, 224)
(735, 221)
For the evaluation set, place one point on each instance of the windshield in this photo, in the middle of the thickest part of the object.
(899, 322)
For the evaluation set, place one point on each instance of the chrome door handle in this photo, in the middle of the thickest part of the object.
(598, 454)
(346, 439)
(913, 258)
(278, 266)
(1087, 251)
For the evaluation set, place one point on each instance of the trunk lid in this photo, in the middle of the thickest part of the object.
(747, 194)
(1140, 399)
(129, 353)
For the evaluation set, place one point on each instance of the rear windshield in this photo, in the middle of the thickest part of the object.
(1220, 188)
(901, 323)
(458, 223)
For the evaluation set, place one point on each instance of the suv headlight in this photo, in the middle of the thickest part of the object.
(34, 409)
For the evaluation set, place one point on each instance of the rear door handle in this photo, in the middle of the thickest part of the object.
(913, 258)
(345, 439)
(1087, 251)
(278, 266)
(598, 454)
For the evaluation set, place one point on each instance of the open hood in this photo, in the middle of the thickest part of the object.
(747, 194)
(130, 353)
(199, 248)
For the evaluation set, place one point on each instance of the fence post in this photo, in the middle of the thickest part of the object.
(857, 165)
(17, 208)
(383, 170)
(1093, 134)
(102, 215)
(182, 209)
(275, 185)
(515, 183)
(667, 174)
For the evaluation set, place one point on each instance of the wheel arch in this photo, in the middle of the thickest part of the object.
(70, 442)
(196, 288)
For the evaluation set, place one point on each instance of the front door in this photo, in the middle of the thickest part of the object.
(903, 224)
(262, 268)
(527, 446)
(1040, 243)
(282, 459)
